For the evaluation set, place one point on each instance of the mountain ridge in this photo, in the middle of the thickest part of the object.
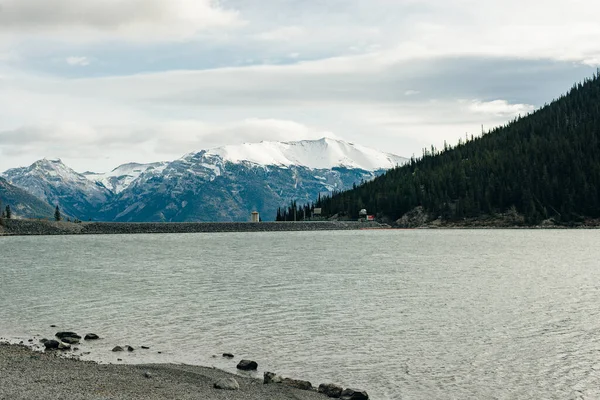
(221, 184)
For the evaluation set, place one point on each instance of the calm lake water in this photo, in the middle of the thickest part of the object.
(424, 314)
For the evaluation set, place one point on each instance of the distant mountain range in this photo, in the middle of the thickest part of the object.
(222, 184)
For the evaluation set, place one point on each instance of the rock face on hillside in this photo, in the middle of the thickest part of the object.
(22, 203)
(415, 218)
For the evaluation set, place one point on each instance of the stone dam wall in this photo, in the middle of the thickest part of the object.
(41, 227)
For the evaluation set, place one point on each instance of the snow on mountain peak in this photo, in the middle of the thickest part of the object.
(324, 153)
(124, 175)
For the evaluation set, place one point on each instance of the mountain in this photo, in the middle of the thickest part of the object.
(228, 183)
(319, 154)
(545, 165)
(121, 177)
(22, 203)
(56, 184)
(221, 184)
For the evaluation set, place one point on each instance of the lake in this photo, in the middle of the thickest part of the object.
(417, 314)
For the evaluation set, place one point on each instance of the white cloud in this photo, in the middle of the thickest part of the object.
(285, 33)
(411, 92)
(133, 19)
(501, 108)
(78, 61)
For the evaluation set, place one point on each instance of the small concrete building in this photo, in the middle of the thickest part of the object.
(255, 217)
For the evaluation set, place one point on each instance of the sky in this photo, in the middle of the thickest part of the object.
(99, 83)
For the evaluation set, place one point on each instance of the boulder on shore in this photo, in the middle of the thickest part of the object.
(70, 340)
(91, 336)
(297, 383)
(51, 344)
(271, 377)
(61, 335)
(354, 394)
(227, 384)
(330, 390)
(247, 365)
(117, 348)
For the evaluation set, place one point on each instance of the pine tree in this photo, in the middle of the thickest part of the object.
(57, 215)
(8, 212)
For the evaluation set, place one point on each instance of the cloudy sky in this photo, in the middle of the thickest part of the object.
(103, 82)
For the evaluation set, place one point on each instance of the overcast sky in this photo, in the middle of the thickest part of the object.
(103, 82)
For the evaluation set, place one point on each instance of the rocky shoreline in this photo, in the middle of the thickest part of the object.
(51, 369)
(21, 227)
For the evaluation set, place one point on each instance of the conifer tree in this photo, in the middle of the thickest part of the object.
(8, 212)
(57, 215)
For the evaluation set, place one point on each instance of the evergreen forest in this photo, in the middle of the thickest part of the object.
(542, 165)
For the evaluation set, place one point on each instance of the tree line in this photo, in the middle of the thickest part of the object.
(544, 165)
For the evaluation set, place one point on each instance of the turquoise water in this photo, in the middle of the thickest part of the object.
(422, 314)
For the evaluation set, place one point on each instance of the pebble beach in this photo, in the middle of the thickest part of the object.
(29, 374)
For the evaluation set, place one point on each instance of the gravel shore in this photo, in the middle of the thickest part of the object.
(25, 374)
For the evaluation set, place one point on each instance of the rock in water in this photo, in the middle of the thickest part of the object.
(330, 390)
(297, 383)
(117, 348)
(51, 344)
(227, 355)
(91, 336)
(247, 365)
(70, 340)
(354, 394)
(227, 384)
(129, 348)
(61, 335)
(271, 377)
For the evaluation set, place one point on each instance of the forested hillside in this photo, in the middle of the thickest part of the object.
(545, 165)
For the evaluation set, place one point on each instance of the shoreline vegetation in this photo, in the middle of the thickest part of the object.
(54, 374)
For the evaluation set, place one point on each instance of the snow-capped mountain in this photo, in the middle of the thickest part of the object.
(221, 184)
(57, 184)
(121, 177)
(324, 153)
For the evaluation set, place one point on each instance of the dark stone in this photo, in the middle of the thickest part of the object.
(147, 374)
(91, 336)
(61, 335)
(271, 377)
(51, 344)
(129, 348)
(159, 352)
(30, 340)
(119, 359)
(117, 348)
(330, 390)
(297, 383)
(145, 347)
(354, 394)
(227, 355)
(44, 340)
(247, 365)
(69, 340)
(227, 384)
(52, 326)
